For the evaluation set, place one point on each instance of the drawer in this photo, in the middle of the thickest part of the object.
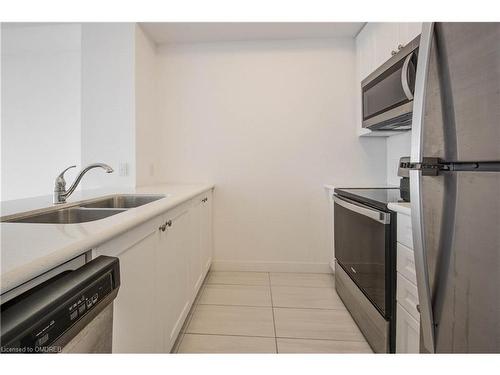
(404, 230)
(407, 296)
(406, 263)
(407, 332)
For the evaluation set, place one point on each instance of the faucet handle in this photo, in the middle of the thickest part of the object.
(60, 181)
(61, 175)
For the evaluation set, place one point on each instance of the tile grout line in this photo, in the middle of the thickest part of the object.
(270, 285)
(280, 337)
(276, 285)
(272, 311)
(222, 304)
(277, 307)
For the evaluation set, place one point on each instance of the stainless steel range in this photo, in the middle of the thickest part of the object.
(365, 270)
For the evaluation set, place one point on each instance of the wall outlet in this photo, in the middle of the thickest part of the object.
(123, 169)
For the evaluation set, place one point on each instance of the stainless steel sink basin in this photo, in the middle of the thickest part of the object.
(123, 201)
(81, 212)
(71, 215)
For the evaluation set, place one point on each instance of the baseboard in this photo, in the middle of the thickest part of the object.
(332, 266)
(224, 265)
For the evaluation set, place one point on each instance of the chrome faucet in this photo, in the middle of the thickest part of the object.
(60, 192)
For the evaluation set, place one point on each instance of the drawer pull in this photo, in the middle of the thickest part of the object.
(164, 226)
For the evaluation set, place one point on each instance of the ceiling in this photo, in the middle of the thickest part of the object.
(200, 32)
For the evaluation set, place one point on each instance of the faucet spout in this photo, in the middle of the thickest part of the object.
(60, 192)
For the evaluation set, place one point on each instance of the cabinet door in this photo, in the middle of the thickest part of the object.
(173, 280)
(206, 233)
(408, 31)
(195, 251)
(135, 323)
(407, 332)
(200, 255)
(386, 40)
(365, 53)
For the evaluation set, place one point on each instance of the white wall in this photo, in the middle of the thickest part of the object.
(40, 122)
(108, 101)
(397, 146)
(148, 142)
(68, 97)
(269, 123)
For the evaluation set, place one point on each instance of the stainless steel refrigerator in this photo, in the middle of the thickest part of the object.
(455, 187)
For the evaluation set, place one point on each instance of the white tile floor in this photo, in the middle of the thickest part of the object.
(260, 312)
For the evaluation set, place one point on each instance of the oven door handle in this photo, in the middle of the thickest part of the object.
(381, 217)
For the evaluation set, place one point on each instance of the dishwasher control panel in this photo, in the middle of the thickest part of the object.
(35, 321)
(55, 324)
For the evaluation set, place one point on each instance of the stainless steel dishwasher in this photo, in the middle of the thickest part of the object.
(71, 312)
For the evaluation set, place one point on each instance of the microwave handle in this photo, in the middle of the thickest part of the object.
(381, 217)
(404, 77)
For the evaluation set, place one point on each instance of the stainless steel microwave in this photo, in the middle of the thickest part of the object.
(387, 93)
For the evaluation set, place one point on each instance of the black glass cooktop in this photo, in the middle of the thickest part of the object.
(377, 197)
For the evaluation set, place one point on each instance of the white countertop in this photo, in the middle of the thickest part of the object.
(401, 207)
(345, 186)
(28, 250)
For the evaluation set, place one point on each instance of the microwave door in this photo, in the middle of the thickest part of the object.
(387, 98)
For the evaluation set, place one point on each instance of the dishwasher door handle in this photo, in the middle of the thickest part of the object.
(381, 217)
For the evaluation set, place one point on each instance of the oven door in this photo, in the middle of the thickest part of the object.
(362, 248)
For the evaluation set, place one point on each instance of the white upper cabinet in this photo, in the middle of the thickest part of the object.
(374, 45)
(365, 52)
(386, 40)
(408, 31)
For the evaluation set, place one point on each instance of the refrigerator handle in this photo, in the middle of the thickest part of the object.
(421, 267)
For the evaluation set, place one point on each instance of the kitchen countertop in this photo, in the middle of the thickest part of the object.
(344, 186)
(401, 207)
(28, 250)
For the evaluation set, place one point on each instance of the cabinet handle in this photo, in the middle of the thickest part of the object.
(400, 47)
(204, 200)
(163, 227)
(394, 52)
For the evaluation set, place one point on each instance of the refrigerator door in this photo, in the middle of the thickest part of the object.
(462, 95)
(456, 215)
(461, 215)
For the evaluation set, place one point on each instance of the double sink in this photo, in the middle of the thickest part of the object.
(85, 211)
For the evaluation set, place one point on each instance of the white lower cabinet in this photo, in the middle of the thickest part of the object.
(206, 232)
(408, 332)
(162, 266)
(407, 295)
(201, 246)
(174, 289)
(407, 315)
(134, 308)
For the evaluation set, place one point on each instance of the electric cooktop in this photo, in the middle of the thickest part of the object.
(376, 197)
